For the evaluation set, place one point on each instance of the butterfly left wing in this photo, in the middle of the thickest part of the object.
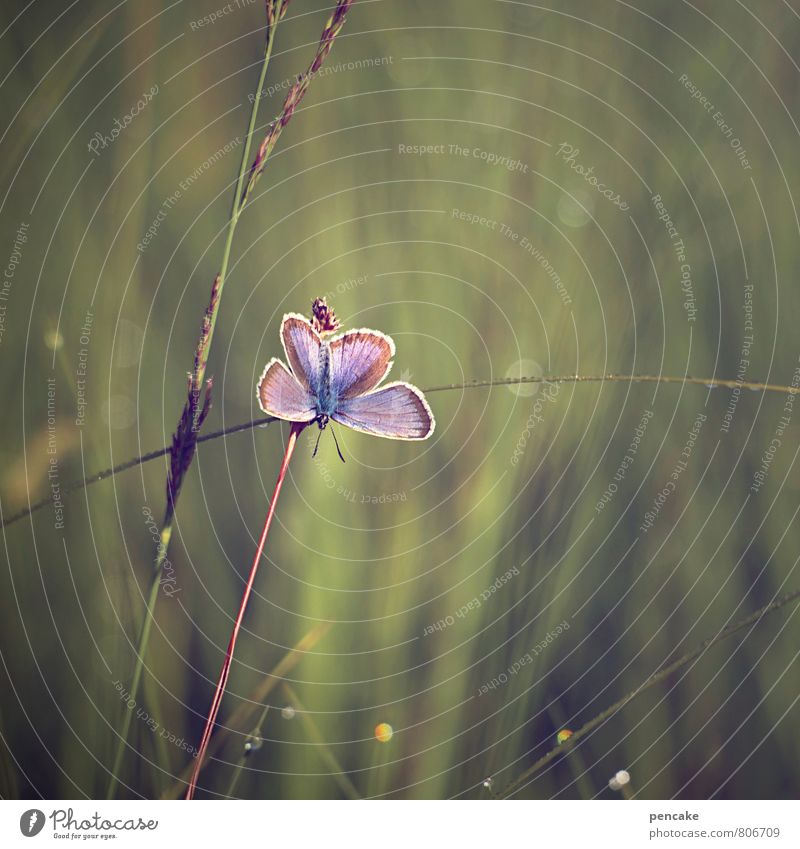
(302, 344)
(360, 359)
(280, 395)
(395, 411)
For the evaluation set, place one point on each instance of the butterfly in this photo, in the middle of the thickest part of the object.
(338, 379)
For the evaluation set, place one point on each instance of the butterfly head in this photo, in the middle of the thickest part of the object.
(322, 422)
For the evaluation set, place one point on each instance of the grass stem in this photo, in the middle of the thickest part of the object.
(244, 713)
(312, 729)
(219, 692)
(247, 753)
(197, 381)
(96, 477)
(753, 619)
(142, 642)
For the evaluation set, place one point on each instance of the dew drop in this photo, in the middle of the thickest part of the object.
(575, 210)
(54, 340)
(488, 783)
(411, 72)
(118, 411)
(384, 732)
(252, 744)
(288, 712)
(618, 781)
(524, 368)
(128, 344)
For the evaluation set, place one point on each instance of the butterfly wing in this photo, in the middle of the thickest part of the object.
(359, 359)
(395, 411)
(301, 344)
(279, 394)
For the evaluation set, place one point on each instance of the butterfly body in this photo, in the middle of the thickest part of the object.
(338, 379)
(326, 396)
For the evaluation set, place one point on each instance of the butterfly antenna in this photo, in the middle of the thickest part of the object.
(337, 443)
(319, 434)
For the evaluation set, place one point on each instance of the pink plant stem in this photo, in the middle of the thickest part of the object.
(297, 427)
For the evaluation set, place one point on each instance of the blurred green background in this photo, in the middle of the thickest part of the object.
(558, 279)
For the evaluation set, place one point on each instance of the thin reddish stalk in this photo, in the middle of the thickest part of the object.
(297, 427)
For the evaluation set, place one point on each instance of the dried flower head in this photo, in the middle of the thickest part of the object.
(298, 90)
(197, 406)
(323, 317)
(275, 11)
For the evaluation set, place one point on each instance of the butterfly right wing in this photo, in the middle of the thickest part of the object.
(279, 394)
(395, 411)
(360, 359)
(302, 345)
